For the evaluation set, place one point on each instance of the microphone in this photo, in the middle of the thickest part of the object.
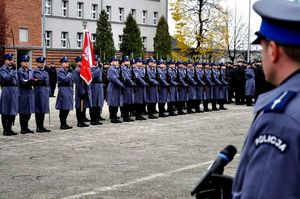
(224, 157)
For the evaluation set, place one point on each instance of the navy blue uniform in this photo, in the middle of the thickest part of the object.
(97, 92)
(26, 98)
(9, 101)
(250, 85)
(140, 92)
(173, 92)
(163, 95)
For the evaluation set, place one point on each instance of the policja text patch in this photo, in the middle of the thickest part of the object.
(271, 140)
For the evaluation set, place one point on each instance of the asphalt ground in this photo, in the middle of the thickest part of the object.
(162, 158)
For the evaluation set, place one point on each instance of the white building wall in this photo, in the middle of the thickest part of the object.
(56, 23)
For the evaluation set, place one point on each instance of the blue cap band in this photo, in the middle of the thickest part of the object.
(280, 33)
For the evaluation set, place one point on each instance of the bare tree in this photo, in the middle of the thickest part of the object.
(237, 35)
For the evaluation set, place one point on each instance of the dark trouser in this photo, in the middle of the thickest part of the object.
(24, 119)
(197, 103)
(205, 105)
(126, 110)
(138, 109)
(171, 107)
(161, 108)
(113, 110)
(180, 105)
(94, 112)
(151, 108)
(39, 120)
(214, 104)
(52, 88)
(80, 115)
(63, 114)
(249, 101)
(7, 121)
(190, 105)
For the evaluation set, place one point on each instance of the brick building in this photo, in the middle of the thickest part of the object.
(21, 24)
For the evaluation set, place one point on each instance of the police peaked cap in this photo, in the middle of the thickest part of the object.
(151, 59)
(40, 60)
(280, 21)
(161, 61)
(171, 62)
(25, 58)
(126, 58)
(138, 59)
(78, 59)
(179, 62)
(114, 58)
(64, 59)
(8, 56)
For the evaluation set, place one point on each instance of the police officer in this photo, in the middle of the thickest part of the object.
(199, 78)
(97, 94)
(173, 94)
(82, 95)
(26, 97)
(152, 92)
(140, 88)
(128, 99)
(269, 165)
(216, 88)
(10, 94)
(163, 93)
(190, 72)
(115, 89)
(250, 84)
(208, 91)
(224, 86)
(41, 94)
(52, 78)
(64, 100)
(182, 87)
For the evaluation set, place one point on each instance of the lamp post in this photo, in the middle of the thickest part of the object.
(249, 45)
(43, 27)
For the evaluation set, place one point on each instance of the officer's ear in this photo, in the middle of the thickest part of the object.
(274, 51)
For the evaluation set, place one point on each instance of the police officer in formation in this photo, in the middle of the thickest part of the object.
(192, 84)
(64, 100)
(152, 89)
(52, 78)
(97, 94)
(250, 85)
(173, 92)
(140, 88)
(82, 95)
(128, 90)
(41, 94)
(115, 89)
(199, 78)
(163, 90)
(9, 101)
(26, 97)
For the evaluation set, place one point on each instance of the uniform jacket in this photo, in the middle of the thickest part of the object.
(82, 91)
(64, 100)
(192, 83)
(115, 86)
(163, 95)
(97, 90)
(140, 89)
(173, 93)
(9, 101)
(201, 84)
(182, 87)
(270, 160)
(26, 97)
(41, 90)
(128, 85)
(152, 92)
(250, 82)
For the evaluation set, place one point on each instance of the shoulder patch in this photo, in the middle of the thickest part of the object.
(272, 140)
(279, 104)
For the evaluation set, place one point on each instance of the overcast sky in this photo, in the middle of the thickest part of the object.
(241, 5)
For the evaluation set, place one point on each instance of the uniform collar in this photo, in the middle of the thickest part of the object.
(292, 83)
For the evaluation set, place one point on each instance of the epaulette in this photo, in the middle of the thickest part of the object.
(280, 103)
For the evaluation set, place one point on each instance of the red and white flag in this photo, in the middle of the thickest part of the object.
(88, 58)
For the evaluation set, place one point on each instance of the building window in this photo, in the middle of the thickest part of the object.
(23, 35)
(64, 8)
(48, 6)
(144, 17)
(94, 11)
(120, 40)
(93, 39)
(133, 12)
(64, 39)
(48, 39)
(155, 15)
(79, 39)
(144, 41)
(121, 14)
(80, 10)
(108, 11)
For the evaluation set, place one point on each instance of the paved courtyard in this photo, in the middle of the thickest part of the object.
(161, 158)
